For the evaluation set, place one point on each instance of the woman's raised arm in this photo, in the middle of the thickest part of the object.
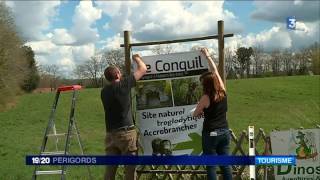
(212, 66)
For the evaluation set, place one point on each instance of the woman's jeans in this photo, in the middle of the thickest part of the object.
(217, 144)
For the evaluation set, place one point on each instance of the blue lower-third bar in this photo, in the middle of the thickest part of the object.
(156, 160)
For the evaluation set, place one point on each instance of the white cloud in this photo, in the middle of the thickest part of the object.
(113, 42)
(65, 56)
(86, 14)
(33, 17)
(42, 47)
(113, 8)
(278, 11)
(60, 46)
(8, 3)
(273, 38)
(47, 53)
(297, 2)
(62, 37)
(176, 19)
(84, 18)
(234, 42)
(82, 31)
(160, 20)
(82, 53)
(66, 62)
(306, 34)
(279, 37)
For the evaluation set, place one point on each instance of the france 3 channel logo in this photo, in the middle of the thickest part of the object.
(291, 22)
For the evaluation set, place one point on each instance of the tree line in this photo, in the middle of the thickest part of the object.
(244, 62)
(91, 72)
(18, 68)
(248, 62)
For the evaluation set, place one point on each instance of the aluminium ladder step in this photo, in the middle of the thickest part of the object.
(61, 134)
(53, 153)
(49, 172)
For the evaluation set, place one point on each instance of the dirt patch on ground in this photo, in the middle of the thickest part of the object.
(9, 105)
(42, 90)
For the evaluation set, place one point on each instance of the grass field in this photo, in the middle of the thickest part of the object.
(268, 103)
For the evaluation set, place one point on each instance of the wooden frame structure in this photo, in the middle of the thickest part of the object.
(127, 47)
(181, 171)
(239, 143)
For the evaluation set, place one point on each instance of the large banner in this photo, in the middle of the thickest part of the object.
(305, 145)
(166, 96)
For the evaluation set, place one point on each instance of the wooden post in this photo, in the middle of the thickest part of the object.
(177, 40)
(127, 51)
(221, 66)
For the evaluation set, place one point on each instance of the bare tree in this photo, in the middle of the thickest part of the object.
(305, 60)
(92, 70)
(315, 58)
(230, 59)
(266, 63)
(295, 63)
(275, 61)
(196, 48)
(286, 59)
(50, 73)
(78, 72)
(231, 63)
(164, 49)
(213, 55)
(257, 59)
(114, 57)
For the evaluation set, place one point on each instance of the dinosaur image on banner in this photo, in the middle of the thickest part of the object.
(305, 145)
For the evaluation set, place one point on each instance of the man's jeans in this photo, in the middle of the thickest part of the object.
(217, 144)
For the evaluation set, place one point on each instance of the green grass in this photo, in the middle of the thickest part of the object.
(268, 103)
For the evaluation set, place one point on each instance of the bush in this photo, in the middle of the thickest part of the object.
(315, 58)
(32, 78)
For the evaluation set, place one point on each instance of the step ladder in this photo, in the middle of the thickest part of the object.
(51, 132)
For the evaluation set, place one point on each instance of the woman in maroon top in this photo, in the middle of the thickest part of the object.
(213, 105)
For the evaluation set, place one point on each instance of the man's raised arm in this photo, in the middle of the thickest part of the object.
(141, 67)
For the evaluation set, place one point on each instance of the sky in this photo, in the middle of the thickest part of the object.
(67, 33)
